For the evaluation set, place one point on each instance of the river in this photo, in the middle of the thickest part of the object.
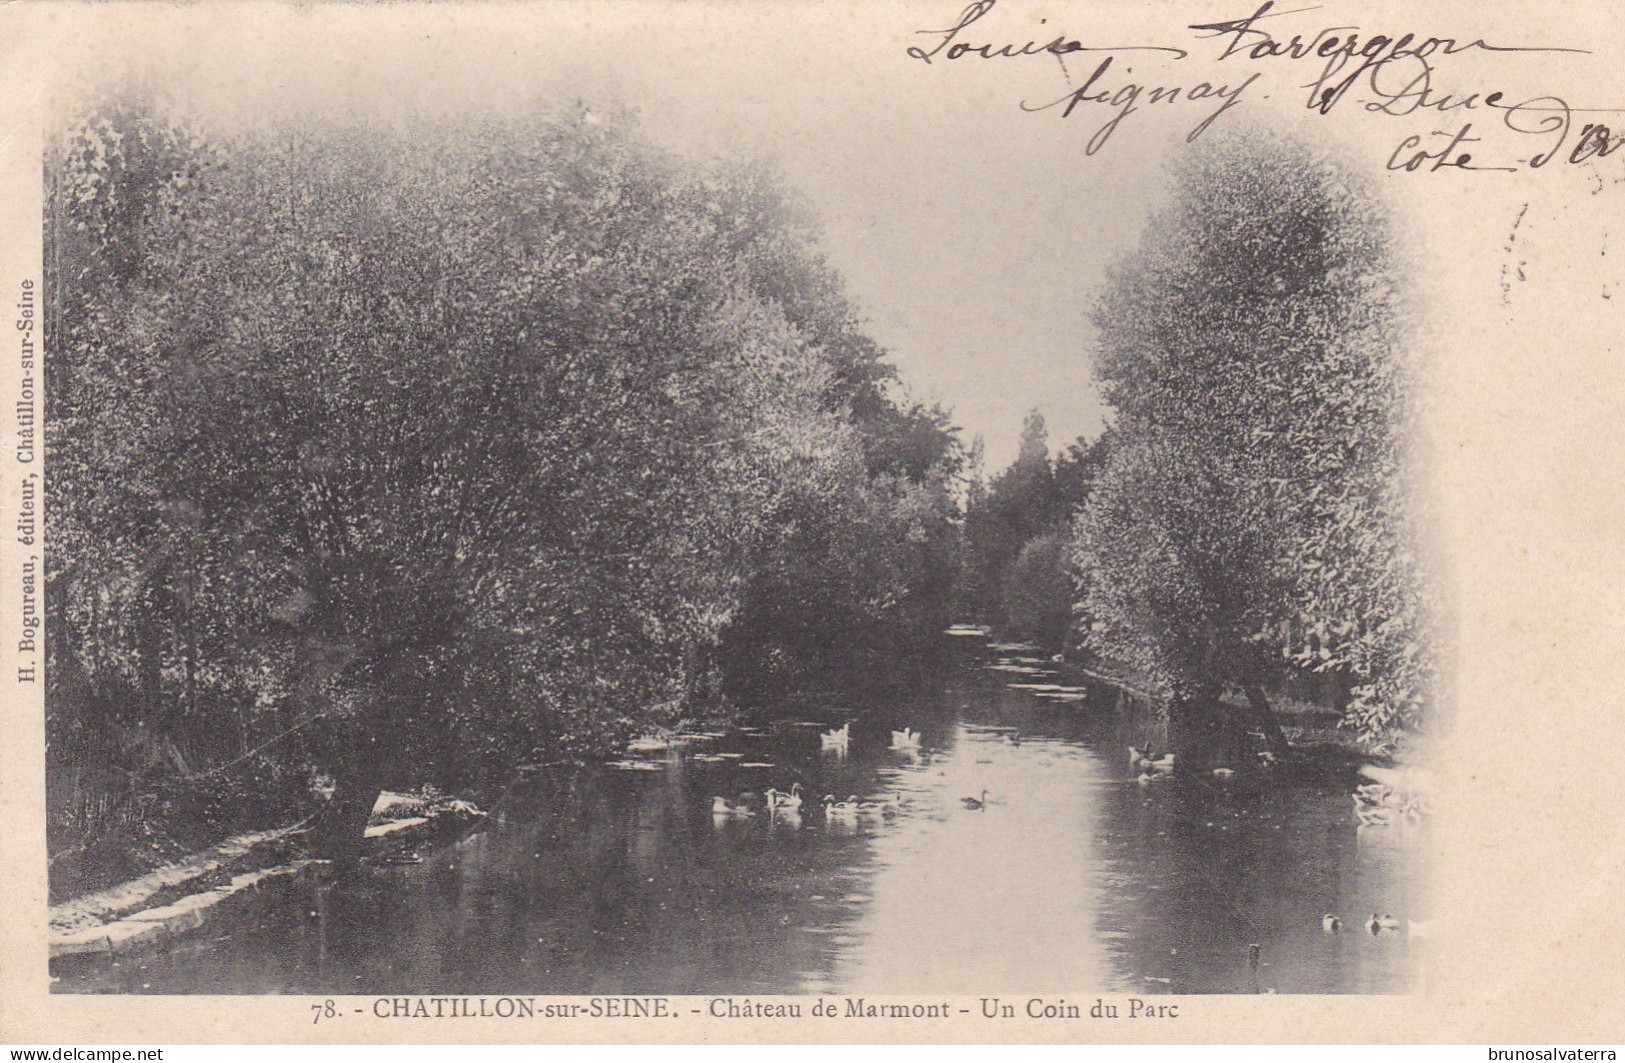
(1073, 879)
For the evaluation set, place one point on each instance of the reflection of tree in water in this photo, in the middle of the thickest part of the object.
(1210, 868)
(606, 881)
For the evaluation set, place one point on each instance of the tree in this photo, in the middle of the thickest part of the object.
(435, 452)
(1018, 505)
(1257, 488)
(1077, 469)
(1038, 593)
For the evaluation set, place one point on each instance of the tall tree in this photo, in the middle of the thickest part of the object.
(1257, 487)
(1019, 504)
(434, 451)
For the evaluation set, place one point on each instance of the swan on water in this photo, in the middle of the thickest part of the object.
(834, 809)
(1378, 923)
(722, 808)
(778, 799)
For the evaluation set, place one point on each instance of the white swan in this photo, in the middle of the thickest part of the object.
(834, 809)
(837, 740)
(906, 739)
(722, 808)
(778, 800)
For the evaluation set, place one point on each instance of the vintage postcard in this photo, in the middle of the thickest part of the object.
(812, 522)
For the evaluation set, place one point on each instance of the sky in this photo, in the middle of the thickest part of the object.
(972, 236)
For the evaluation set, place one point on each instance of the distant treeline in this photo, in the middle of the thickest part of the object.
(1251, 514)
(407, 457)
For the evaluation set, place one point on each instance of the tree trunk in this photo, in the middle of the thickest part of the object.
(1265, 715)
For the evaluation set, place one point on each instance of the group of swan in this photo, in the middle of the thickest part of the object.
(1384, 803)
(853, 808)
(1150, 766)
(839, 740)
(774, 800)
(779, 801)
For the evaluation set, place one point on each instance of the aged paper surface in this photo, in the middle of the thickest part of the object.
(972, 173)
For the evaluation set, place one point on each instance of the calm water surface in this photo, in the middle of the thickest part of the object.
(1074, 878)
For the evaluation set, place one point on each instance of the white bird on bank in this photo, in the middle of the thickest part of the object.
(836, 741)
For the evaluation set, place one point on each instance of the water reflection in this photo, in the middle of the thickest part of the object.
(1072, 878)
(944, 912)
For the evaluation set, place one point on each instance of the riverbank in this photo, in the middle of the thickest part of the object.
(179, 897)
(1312, 729)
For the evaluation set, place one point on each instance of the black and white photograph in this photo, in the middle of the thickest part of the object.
(932, 512)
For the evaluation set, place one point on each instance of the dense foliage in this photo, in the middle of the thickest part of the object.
(1254, 510)
(426, 453)
(1013, 575)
